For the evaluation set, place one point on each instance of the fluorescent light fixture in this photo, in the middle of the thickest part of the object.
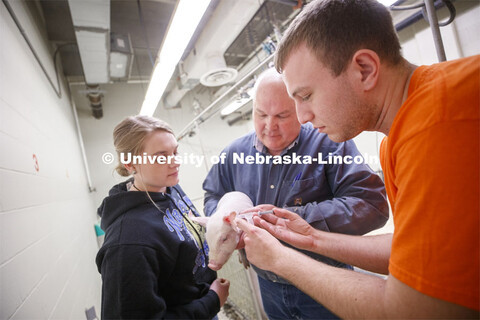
(387, 3)
(118, 65)
(238, 102)
(187, 16)
(121, 56)
(234, 106)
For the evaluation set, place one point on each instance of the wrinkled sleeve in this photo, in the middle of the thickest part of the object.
(218, 182)
(134, 278)
(359, 202)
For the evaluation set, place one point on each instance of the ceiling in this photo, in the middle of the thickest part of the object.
(145, 22)
(257, 30)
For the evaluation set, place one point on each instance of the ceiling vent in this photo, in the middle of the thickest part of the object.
(218, 73)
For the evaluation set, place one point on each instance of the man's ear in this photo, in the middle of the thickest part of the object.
(365, 66)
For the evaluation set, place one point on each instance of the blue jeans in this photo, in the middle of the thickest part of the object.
(284, 301)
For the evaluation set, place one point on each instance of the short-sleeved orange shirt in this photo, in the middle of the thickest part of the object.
(431, 162)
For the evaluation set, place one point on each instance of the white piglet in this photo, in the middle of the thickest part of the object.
(222, 235)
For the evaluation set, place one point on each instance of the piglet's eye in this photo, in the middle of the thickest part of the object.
(305, 97)
(224, 238)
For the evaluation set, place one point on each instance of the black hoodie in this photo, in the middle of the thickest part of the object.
(152, 262)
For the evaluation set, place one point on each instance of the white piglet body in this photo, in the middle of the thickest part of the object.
(221, 237)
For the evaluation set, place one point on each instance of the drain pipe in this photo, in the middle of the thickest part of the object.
(91, 188)
(95, 97)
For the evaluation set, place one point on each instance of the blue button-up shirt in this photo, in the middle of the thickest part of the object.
(341, 198)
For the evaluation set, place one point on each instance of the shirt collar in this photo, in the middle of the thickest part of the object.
(260, 147)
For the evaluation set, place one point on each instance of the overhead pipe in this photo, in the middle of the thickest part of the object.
(437, 36)
(200, 117)
(242, 116)
(216, 32)
(428, 12)
(421, 14)
(57, 88)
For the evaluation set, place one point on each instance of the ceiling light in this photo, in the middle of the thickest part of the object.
(187, 16)
(234, 105)
(387, 3)
(238, 102)
(121, 56)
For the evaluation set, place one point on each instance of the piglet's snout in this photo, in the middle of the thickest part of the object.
(214, 266)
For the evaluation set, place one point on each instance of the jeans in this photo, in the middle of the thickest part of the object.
(284, 301)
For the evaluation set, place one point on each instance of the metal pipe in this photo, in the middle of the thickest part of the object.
(437, 37)
(419, 15)
(414, 6)
(242, 116)
(91, 188)
(189, 126)
(34, 52)
(292, 3)
(408, 21)
(256, 303)
(131, 81)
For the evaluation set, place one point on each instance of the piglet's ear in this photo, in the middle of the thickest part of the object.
(200, 220)
(230, 218)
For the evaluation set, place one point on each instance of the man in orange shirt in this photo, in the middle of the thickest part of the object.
(342, 65)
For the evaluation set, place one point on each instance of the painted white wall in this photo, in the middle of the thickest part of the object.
(125, 100)
(460, 38)
(47, 238)
(210, 139)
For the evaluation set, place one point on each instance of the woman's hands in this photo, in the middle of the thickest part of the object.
(221, 287)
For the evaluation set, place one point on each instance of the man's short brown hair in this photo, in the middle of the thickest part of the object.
(335, 29)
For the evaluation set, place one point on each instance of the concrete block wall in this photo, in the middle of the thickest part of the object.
(47, 238)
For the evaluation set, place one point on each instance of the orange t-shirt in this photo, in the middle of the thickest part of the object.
(431, 162)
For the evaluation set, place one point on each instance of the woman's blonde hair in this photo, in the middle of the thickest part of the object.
(129, 135)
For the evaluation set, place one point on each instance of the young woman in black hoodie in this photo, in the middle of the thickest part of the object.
(154, 258)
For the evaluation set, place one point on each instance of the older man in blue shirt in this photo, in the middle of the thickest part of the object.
(335, 197)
